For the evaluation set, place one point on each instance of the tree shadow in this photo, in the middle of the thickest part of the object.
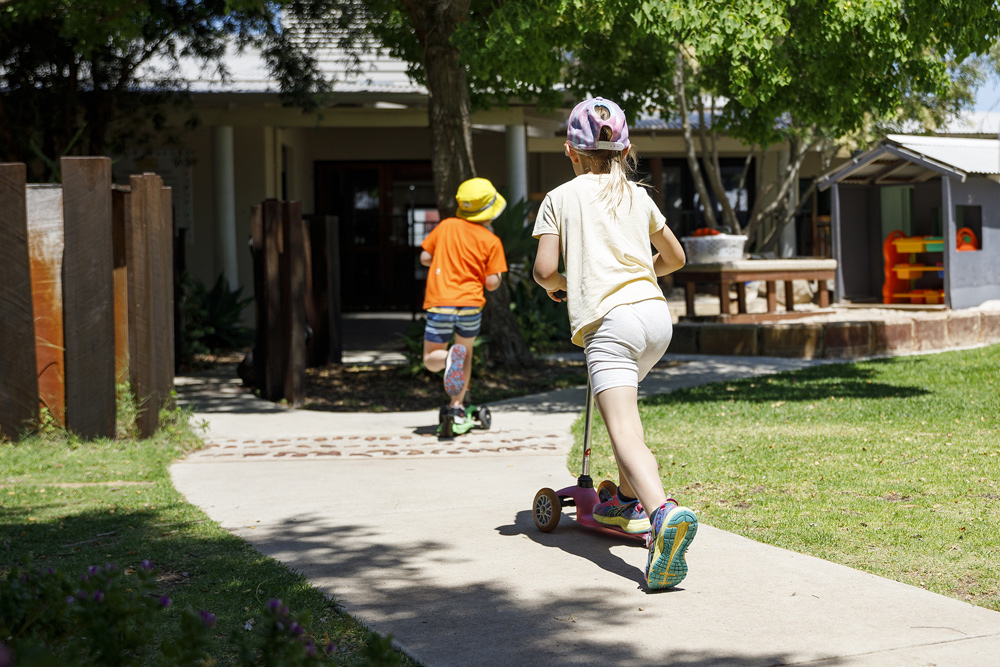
(488, 620)
(804, 385)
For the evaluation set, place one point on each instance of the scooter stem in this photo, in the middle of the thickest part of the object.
(584, 481)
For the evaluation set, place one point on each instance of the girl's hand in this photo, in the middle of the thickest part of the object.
(557, 295)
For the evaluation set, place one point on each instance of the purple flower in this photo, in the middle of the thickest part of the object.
(165, 601)
(331, 648)
(98, 596)
(310, 648)
(207, 618)
(296, 629)
(93, 569)
(70, 599)
(274, 604)
(81, 594)
(146, 564)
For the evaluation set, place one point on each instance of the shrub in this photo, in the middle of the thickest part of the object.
(210, 319)
(108, 616)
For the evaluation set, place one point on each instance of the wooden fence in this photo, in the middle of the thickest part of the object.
(86, 298)
(297, 290)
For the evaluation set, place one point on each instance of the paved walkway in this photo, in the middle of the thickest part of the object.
(433, 542)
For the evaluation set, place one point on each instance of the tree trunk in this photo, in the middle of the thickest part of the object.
(710, 160)
(506, 346)
(449, 113)
(448, 105)
(692, 159)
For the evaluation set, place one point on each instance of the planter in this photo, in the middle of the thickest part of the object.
(713, 249)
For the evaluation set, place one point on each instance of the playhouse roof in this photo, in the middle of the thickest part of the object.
(902, 159)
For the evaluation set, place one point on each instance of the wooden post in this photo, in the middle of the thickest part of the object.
(119, 214)
(143, 209)
(18, 365)
(260, 349)
(293, 301)
(163, 251)
(276, 344)
(88, 297)
(45, 245)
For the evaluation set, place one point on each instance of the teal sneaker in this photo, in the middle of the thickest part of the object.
(671, 531)
(630, 516)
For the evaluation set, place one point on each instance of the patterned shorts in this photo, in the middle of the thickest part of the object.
(465, 321)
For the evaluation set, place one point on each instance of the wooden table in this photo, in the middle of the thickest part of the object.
(771, 271)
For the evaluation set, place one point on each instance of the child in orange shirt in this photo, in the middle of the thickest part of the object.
(463, 257)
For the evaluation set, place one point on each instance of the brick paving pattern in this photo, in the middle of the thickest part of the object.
(475, 442)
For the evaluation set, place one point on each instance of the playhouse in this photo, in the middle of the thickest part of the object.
(916, 220)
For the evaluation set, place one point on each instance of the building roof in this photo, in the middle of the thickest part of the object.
(902, 159)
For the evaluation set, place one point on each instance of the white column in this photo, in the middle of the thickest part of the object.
(517, 164)
(225, 202)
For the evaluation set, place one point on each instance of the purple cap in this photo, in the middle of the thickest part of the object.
(584, 126)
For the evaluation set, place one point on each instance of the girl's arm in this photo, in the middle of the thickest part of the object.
(493, 281)
(670, 255)
(546, 271)
(425, 258)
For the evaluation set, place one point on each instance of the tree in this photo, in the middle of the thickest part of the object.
(424, 33)
(790, 76)
(92, 76)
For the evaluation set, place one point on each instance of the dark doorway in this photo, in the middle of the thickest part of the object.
(380, 206)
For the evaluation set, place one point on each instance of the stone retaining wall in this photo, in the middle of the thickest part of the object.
(840, 339)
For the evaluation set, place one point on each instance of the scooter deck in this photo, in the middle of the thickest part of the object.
(584, 500)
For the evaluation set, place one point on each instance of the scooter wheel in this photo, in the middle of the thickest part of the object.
(546, 510)
(606, 490)
(484, 416)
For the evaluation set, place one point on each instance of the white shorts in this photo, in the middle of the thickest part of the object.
(627, 344)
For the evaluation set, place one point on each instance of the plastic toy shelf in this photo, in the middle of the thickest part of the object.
(902, 272)
(910, 271)
(928, 296)
(918, 244)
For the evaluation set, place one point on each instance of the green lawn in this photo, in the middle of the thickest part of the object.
(889, 466)
(69, 505)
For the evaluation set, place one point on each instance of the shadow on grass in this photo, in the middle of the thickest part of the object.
(806, 385)
(198, 565)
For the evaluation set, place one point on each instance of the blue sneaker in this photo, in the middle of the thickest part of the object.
(630, 516)
(670, 534)
(454, 371)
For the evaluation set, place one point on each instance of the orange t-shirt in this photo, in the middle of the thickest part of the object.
(463, 253)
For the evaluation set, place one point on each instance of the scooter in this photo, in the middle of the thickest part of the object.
(547, 507)
(479, 413)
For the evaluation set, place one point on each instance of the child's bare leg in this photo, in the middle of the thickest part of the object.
(435, 355)
(637, 467)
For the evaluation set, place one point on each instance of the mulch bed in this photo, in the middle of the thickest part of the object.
(391, 388)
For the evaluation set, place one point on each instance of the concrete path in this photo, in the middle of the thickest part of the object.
(433, 542)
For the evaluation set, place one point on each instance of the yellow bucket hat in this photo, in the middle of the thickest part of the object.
(479, 201)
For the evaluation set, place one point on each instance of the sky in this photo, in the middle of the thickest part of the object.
(988, 97)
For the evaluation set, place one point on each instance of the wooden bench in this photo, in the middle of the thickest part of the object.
(771, 271)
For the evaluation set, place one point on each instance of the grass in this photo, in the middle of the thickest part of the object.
(68, 504)
(888, 466)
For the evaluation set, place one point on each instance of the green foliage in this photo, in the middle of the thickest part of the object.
(109, 616)
(211, 318)
(543, 323)
(81, 93)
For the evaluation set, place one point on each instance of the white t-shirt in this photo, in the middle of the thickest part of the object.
(608, 258)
